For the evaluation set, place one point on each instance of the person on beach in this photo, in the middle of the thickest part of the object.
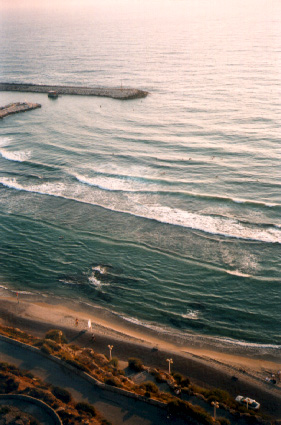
(18, 297)
(76, 322)
(89, 325)
(93, 338)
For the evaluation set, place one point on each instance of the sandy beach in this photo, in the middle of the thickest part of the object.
(203, 366)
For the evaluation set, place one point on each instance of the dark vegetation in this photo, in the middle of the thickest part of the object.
(135, 364)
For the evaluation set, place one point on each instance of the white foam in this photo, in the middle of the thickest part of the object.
(191, 314)
(19, 156)
(143, 207)
(67, 282)
(100, 269)
(238, 273)
(113, 183)
(5, 141)
(94, 281)
(138, 322)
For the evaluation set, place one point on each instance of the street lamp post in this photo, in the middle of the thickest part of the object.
(110, 349)
(170, 361)
(216, 406)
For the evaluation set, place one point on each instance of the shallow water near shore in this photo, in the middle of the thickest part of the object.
(164, 211)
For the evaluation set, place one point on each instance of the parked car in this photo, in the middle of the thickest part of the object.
(248, 402)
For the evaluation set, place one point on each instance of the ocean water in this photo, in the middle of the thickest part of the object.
(164, 211)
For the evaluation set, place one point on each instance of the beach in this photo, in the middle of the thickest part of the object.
(204, 367)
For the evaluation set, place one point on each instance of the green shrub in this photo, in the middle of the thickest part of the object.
(3, 366)
(218, 395)
(223, 421)
(77, 364)
(149, 386)
(39, 343)
(65, 356)
(112, 381)
(46, 349)
(135, 364)
(34, 422)
(185, 382)
(177, 377)
(40, 394)
(147, 394)
(4, 410)
(184, 409)
(11, 385)
(62, 394)
(56, 335)
(53, 344)
(86, 408)
(159, 377)
(10, 368)
(105, 422)
(29, 375)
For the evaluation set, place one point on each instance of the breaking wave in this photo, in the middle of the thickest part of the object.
(19, 156)
(217, 225)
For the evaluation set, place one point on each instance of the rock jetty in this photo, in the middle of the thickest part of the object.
(114, 93)
(14, 108)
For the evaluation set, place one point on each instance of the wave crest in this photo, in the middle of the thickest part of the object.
(217, 225)
(18, 156)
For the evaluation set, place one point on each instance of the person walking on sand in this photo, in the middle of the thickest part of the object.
(18, 297)
(76, 322)
(89, 325)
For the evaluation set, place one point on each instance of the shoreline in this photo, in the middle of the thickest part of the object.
(64, 315)
(114, 93)
(204, 367)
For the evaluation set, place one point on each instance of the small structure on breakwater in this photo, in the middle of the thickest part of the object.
(53, 94)
(114, 93)
(14, 108)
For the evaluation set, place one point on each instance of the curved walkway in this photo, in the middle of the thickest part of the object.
(117, 408)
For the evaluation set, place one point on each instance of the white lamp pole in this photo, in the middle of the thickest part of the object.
(170, 361)
(216, 406)
(110, 349)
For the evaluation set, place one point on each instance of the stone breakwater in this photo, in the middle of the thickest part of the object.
(14, 108)
(114, 93)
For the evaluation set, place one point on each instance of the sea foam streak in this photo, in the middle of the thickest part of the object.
(111, 183)
(131, 183)
(222, 226)
(5, 141)
(19, 156)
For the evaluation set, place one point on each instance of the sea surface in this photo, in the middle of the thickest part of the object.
(164, 211)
